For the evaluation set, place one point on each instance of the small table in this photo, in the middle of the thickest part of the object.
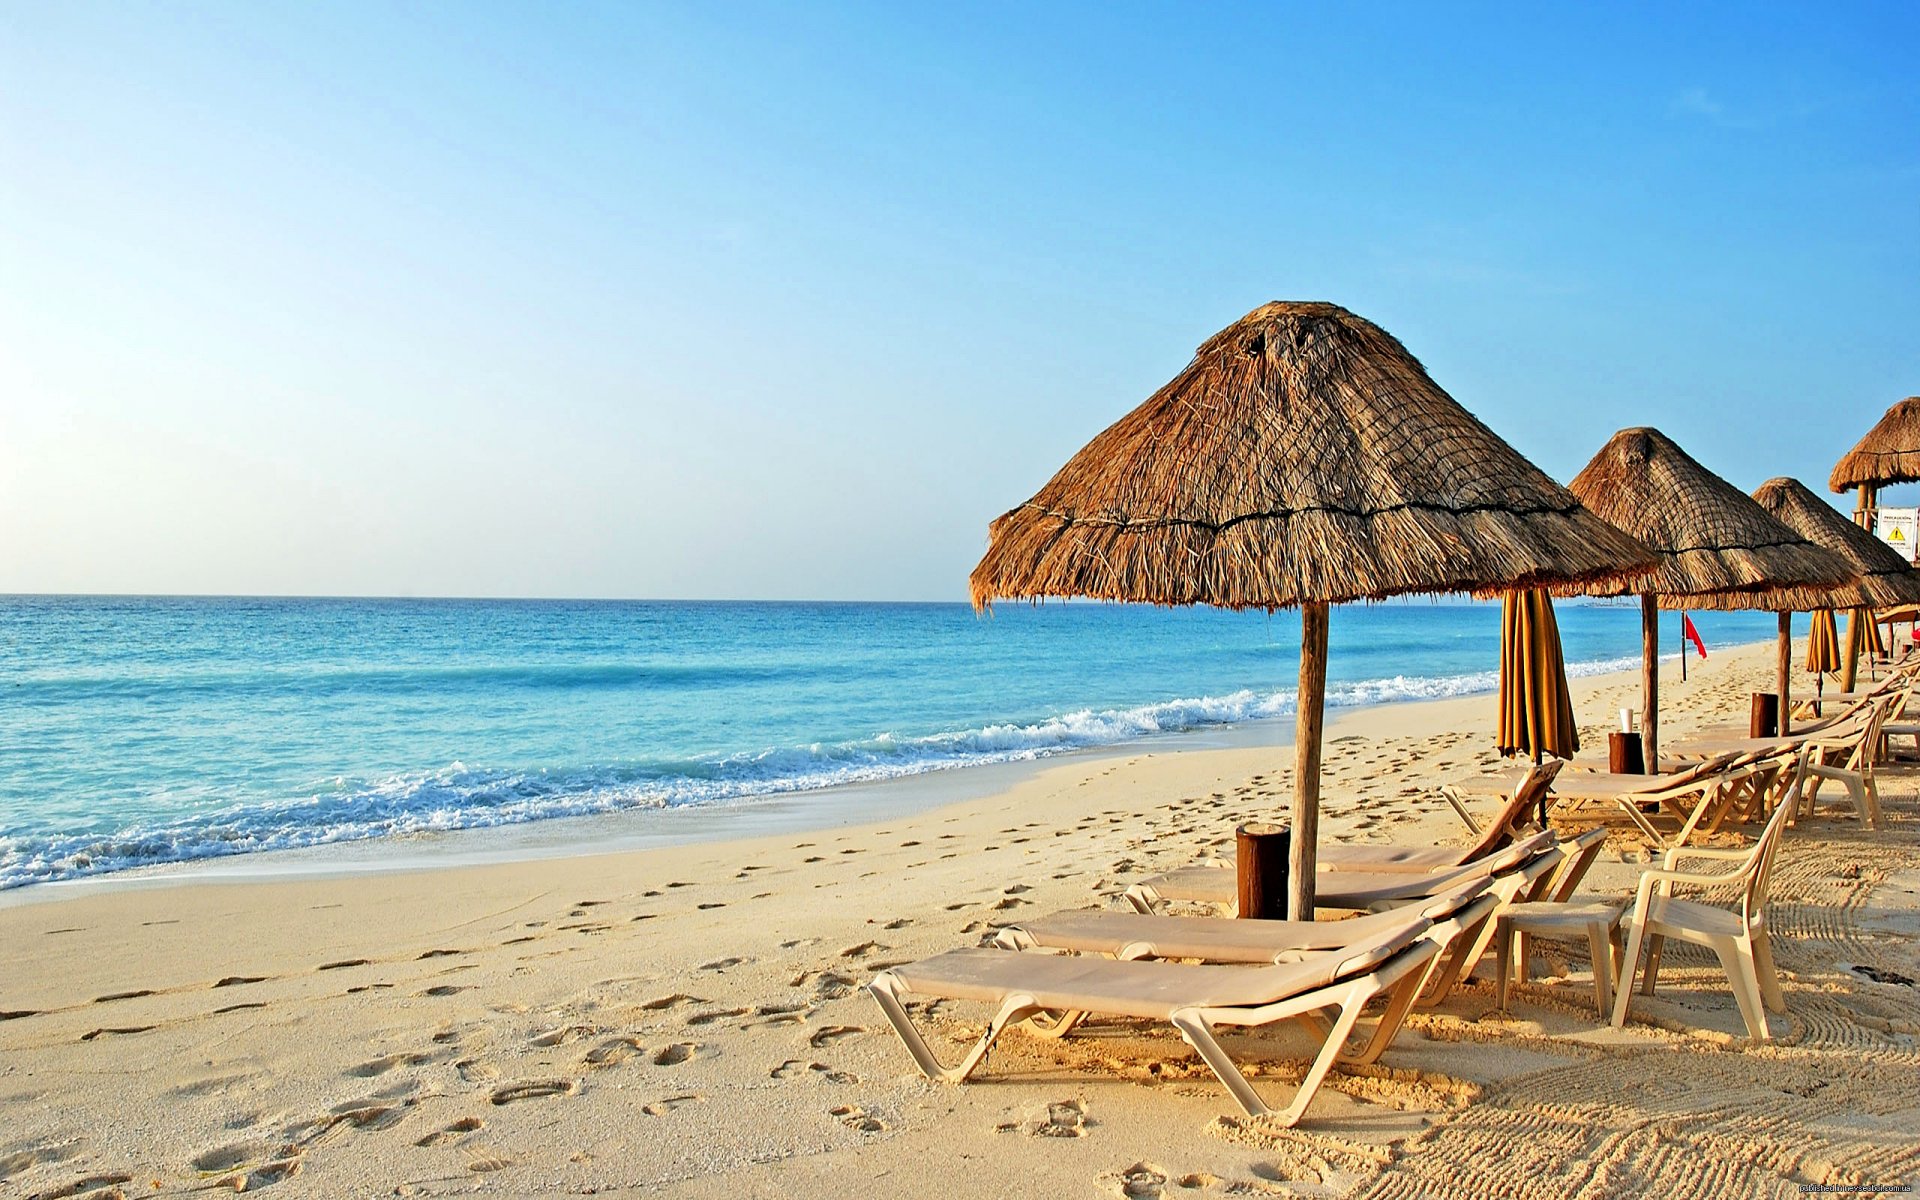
(1599, 920)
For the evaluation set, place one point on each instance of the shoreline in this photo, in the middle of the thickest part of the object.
(800, 811)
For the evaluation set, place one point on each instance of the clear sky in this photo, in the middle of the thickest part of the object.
(730, 300)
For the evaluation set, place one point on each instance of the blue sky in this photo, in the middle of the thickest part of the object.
(790, 301)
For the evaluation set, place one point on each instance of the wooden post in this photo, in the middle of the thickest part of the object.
(1261, 852)
(1306, 759)
(1850, 658)
(1650, 682)
(1785, 670)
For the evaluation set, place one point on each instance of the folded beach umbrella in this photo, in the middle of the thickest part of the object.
(1536, 708)
(1823, 643)
(1888, 454)
(1716, 547)
(1302, 459)
(1882, 576)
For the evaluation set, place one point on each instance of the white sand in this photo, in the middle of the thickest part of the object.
(689, 1020)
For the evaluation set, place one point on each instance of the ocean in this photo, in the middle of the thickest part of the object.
(138, 731)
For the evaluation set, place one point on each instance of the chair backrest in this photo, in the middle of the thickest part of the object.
(1758, 868)
(1527, 794)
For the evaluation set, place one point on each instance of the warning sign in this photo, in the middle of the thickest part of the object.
(1897, 528)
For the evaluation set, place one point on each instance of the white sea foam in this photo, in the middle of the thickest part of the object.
(460, 797)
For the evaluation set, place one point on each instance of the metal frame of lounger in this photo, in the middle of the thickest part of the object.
(1387, 966)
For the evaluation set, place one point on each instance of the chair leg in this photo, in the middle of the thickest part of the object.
(1199, 1034)
(1654, 944)
(1600, 949)
(1049, 1024)
(1769, 977)
(1503, 963)
(887, 992)
(1737, 958)
(1623, 986)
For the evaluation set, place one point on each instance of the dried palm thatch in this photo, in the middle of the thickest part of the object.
(1303, 455)
(1890, 453)
(1716, 547)
(1883, 577)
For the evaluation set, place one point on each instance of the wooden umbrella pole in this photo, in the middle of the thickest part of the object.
(1785, 668)
(1306, 759)
(1850, 658)
(1650, 682)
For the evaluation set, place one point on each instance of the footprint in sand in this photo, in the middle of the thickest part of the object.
(534, 1089)
(857, 1118)
(445, 989)
(456, 1131)
(238, 980)
(112, 996)
(267, 1176)
(674, 1055)
(342, 965)
(898, 923)
(118, 1030)
(380, 1066)
(721, 964)
(472, 1070)
(665, 1002)
(830, 1034)
(862, 950)
(1140, 1179)
(562, 1035)
(660, 1108)
(612, 1052)
(720, 1014)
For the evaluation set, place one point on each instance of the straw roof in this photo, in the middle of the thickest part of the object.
(1884, 578)
(1303, 455)
(1890, 453)
(1717, 548)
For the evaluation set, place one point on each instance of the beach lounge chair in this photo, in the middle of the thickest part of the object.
(1216, 882)
(1844, 753)
(1195, 999)
(1131, 936)
(1737, 935)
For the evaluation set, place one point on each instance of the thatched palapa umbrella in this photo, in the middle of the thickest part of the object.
(1303, 458)
(1883, 578)
(1717, 548)
(1889, 454)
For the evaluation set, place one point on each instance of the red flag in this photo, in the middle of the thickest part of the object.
(1691, 634)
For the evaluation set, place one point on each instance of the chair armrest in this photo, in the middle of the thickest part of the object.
(1678, 852)
(1665, 875)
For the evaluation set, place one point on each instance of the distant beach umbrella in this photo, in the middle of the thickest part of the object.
(1883, 577)
(1823, 643)
(1303, 458)
(1888, 454)
(1716, 547)
(1536, 707)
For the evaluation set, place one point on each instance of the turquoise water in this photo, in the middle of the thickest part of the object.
(148, 730)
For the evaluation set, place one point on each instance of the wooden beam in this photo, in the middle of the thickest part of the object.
(1650, 682)
(1306, 760)
(1785, 669)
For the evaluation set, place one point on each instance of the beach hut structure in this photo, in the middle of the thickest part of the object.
(1717, 548)
(1883, 579)
(1888, 454)
(1302, 459)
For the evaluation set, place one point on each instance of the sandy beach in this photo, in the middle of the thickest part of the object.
(691, 1020)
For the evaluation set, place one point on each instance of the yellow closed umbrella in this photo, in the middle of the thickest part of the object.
(1823, 646)
(1536, 710)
